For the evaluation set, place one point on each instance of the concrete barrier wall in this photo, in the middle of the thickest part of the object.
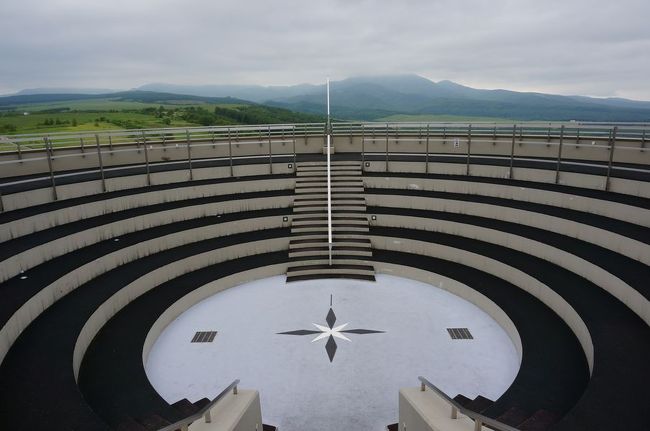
(615, 210)
(32, 257)
(596, 182)
(56, 217)
(499, 269)
(86, 188)
(625, 293)
(426, 411)
(621, 244)
(459, 289)
(201, 293)
(234, 412)
(149, 281)
(84, 273)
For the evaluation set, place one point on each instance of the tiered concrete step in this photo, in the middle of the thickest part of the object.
(308, 248)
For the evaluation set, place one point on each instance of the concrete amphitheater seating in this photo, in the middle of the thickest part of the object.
(87, 280)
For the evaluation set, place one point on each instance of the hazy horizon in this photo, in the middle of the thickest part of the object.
(564, 48)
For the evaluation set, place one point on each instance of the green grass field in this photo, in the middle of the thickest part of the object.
(85, 121)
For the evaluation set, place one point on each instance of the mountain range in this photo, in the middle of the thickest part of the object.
(372, 98)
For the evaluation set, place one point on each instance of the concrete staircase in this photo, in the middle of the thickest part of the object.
(308, 247)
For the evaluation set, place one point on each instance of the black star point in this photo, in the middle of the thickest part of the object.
(330, 345)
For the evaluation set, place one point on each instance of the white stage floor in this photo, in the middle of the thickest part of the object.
(300, 388)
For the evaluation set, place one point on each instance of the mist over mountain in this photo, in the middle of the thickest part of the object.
(375, 97)
(370, 98)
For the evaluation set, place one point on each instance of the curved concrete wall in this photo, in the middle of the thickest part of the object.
(67, 283)
(499, 269)
(631, 297)
(167, 272)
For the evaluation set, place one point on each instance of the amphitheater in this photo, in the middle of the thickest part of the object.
(494, 276)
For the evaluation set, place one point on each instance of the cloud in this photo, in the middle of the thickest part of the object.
(566, 47)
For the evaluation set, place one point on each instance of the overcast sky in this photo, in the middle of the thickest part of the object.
(564, 47)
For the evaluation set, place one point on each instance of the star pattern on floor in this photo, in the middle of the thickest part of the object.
(330, 332)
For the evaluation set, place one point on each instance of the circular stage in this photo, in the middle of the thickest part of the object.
(332, 354)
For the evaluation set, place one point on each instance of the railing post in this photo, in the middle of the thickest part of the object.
(48, 151)
(83, 148)
(469, 147)
(363, 147)
(101, 163)
(578, 137)
(643, 141)
(293, 137)
(207, 417)
(110, 144)
(230, 152)
(270, 154)
(612, 147)
(20, 151)
(559, 156)
(512, 150)
(426, 156)
(189, 153)
(146, 158)
(387, 147)
(494, 135)
(454, 412)
(444, 135)
(234, 390)
(422, 387)
(478, 425)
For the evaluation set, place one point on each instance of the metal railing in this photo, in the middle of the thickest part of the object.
(184, 424)
(580, 131)
(618, 147)
(479, 419)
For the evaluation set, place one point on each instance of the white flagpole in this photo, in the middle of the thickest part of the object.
(329, 182)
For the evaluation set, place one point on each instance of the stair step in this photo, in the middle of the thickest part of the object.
(514, 416)
(201, 403)
(462, 400)
(541, 420)
(153, 421)
(335, 228)
(324, 199)
(335, 212)
(185, 407)
(335, 219)
(318, 251)
(337, 241)
(323, 259)
(329, 275)
(323, 234)
(479, 404)
(323, 179)
(130, 424)
(351, 267)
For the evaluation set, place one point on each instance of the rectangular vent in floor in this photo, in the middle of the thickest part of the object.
(204, 337)
(459, 334)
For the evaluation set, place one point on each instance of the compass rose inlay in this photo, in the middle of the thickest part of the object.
(331, 332)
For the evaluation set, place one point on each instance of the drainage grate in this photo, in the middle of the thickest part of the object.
(204, 337)
(459, 334)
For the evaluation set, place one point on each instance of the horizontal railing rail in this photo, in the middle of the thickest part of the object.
(479, 419)
(184, 424)
(605, 149)
(552, 130)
